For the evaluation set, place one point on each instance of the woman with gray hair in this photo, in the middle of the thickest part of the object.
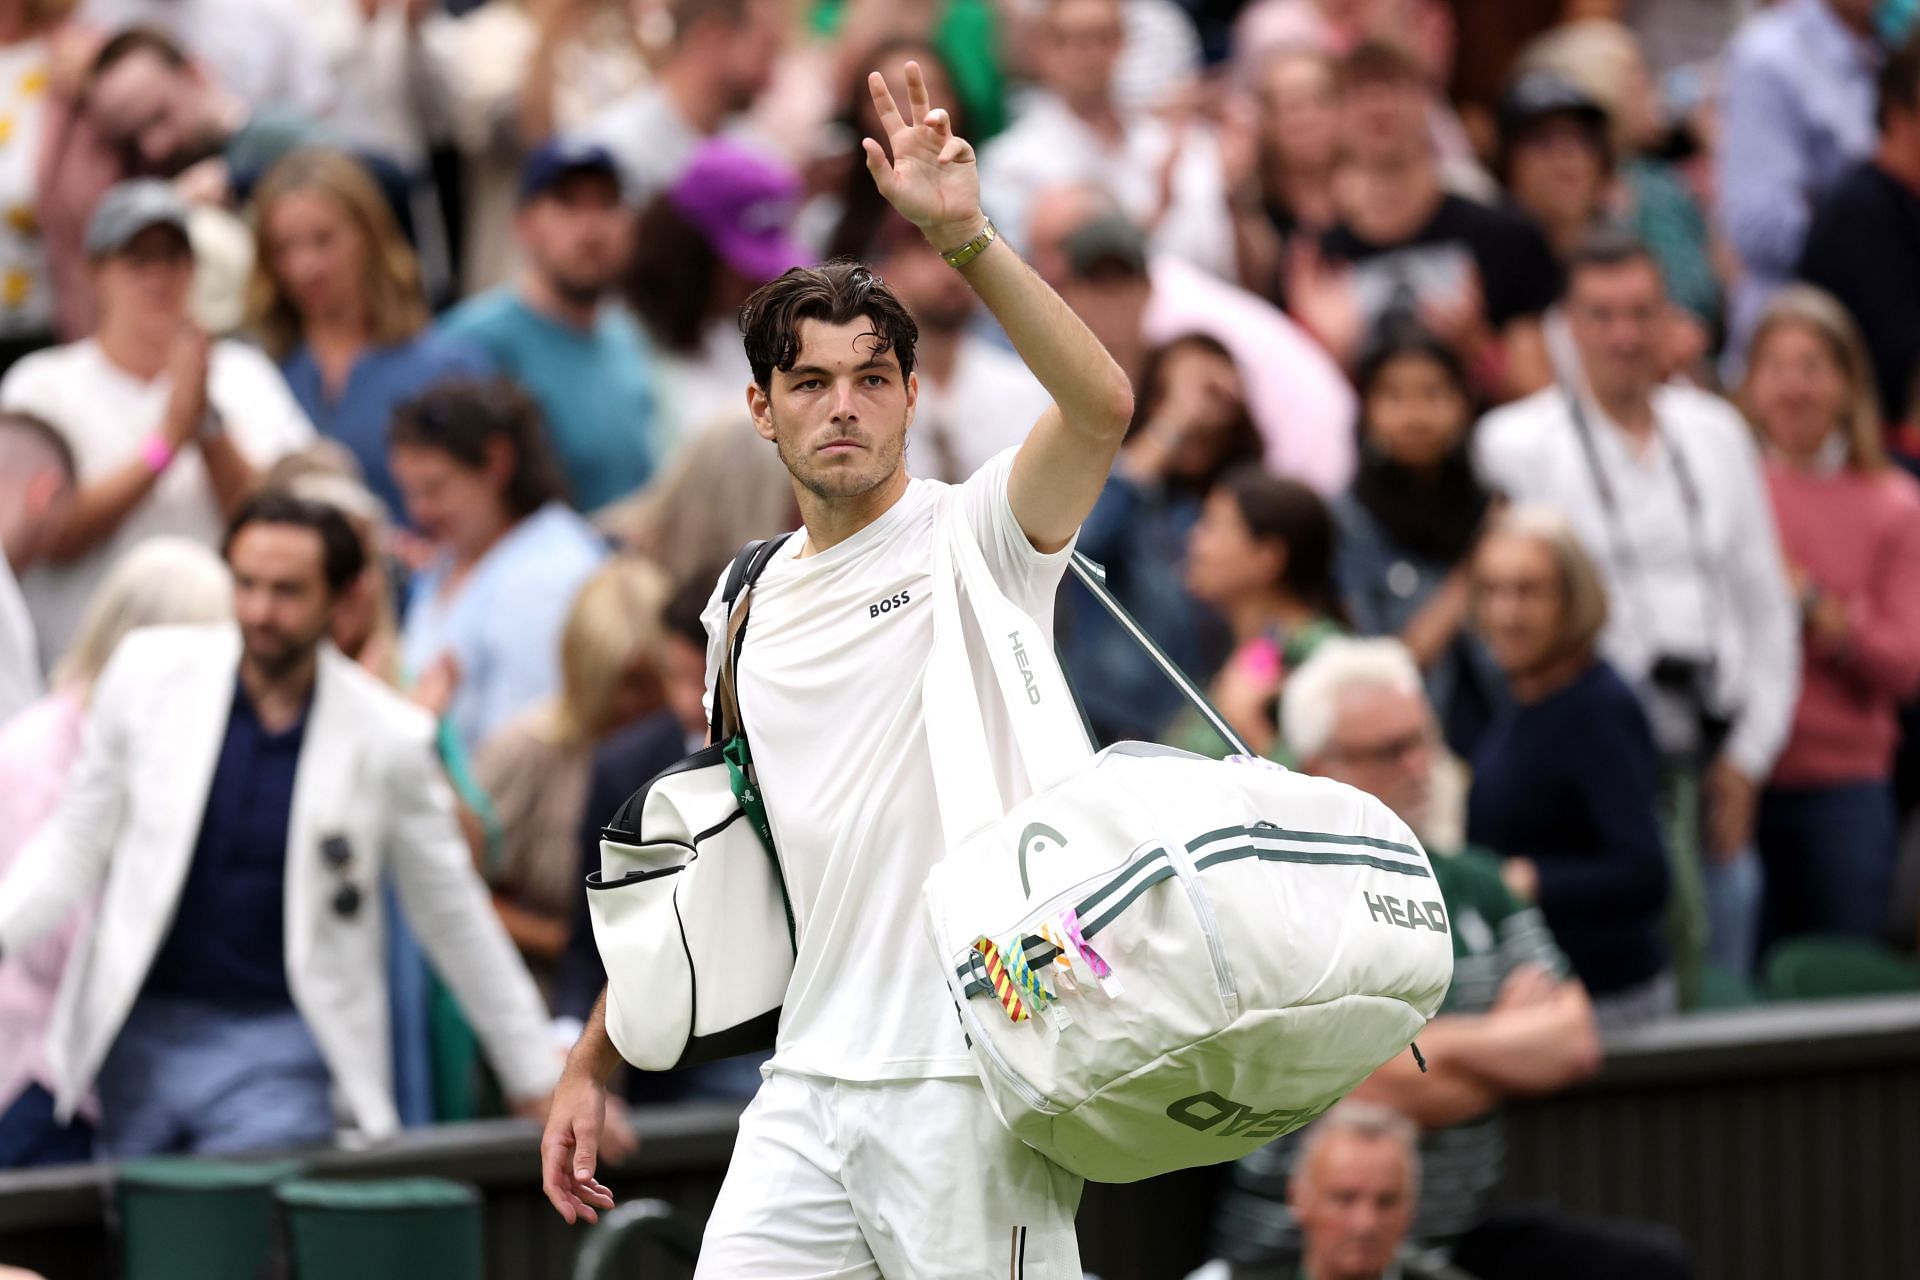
(1565, 785)
(161, 581)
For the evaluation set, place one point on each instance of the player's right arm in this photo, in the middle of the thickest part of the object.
(570, 1148)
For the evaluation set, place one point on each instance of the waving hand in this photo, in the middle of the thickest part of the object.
(932, 179)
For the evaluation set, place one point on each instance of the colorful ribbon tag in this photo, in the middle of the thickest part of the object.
(1003, 985)
(1021, 973)
(1061, 971)
(1110, 985)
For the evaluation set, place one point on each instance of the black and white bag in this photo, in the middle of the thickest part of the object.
(689, 906)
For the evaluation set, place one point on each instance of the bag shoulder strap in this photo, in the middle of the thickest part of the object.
(737, 595)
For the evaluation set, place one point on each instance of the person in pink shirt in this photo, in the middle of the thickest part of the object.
(1850, 528)
(160, 581)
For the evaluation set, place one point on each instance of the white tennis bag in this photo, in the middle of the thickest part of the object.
(1160, 960)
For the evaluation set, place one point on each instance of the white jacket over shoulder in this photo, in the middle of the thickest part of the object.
(368, 773)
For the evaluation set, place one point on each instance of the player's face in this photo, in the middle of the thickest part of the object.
(839, 416)
(1355, 1206)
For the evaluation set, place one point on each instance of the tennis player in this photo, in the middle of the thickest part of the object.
(870, 1149)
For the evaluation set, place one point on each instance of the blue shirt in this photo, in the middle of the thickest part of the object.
(1796, 110)
(595, 387)
(228, 940)
(503, 623)
(1571, 782)
(381, 379)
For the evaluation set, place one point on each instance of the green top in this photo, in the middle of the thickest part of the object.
(968, 41)
(1190, 733)
(378, 1195)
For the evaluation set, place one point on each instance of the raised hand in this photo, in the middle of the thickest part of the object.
(932, 179)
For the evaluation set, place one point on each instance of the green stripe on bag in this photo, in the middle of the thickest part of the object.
(1270, 832)
(1309, 857)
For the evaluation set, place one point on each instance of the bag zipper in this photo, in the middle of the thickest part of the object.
(1203, 910)
(1028, 1094)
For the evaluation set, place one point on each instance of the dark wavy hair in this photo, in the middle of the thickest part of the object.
(343, 555)
(461, 416)
(836, 293)
(670, 282)
(1286, 511)
(1243, 442)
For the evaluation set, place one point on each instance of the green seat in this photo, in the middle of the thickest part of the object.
(627, 1239)
(1722, 989)
(1834, 966)
(185, 1219)
(396, 1229)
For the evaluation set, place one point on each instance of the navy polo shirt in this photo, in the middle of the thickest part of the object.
(228, 941)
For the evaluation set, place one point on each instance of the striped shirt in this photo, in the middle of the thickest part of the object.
(1493, 935)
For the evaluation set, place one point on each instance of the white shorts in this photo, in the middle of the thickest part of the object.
(907, 1180)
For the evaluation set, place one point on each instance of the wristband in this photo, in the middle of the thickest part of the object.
(157, 453)
(962, 255)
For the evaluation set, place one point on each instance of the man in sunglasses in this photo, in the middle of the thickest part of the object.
(241, 794)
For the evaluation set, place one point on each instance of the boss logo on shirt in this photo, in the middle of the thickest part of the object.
(897, 601)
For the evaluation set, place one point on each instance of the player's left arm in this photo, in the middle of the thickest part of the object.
(933, 181)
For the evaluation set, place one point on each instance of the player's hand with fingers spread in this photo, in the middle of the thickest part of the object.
(931, 179)
(570, 1148)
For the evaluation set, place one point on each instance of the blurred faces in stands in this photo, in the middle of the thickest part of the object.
(1080, 44)
(1538, 598)
(1383, 109)
(1555, 156)
(1415, 409)
(143, 285)
(732, 45)
(281, 597)
(1809, 387)
(1299, 112)
(1353, 1192)
(1358, 714)
(145, 97)
(576, 229)
(1617, 313)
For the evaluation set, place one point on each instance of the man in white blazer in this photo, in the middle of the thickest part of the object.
(239, 797)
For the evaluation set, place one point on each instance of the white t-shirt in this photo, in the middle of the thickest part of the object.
(836, 649)
(990, 403)
(107, 414)
(20, 680)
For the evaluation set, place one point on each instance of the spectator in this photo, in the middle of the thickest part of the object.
(1478, 277)
(1514, 1023)
(1555, 158)
(976, 397)
(162, 582)
(1650, 198)
(714, 236)
(1663, 485)
(36, 488)
(337, 300)
(1850, 526)
(1864, 245)
(1261, 554)
(1299, 398)
(1167, 177)
(518, 74)
(233, 985)
(536, 768)
(484, 619)
(1566, 785)
(1190, 427)
(1280, 173)
(1796, 110)
(257, 48)
(169, 114)
(167, 427)
(720, 56)
(559, 334)
(29, 30)
(1353, 1195)
(1409, 523)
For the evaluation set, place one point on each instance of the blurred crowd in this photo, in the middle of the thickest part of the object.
(1526, 433)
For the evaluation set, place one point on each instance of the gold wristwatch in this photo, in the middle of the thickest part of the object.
(960, 257)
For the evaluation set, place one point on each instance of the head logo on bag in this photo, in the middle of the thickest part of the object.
(1035, 832)
(1208, 1112)
(1026, 668)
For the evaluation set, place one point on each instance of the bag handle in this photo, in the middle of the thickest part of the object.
(1094, 579)
(747, 567)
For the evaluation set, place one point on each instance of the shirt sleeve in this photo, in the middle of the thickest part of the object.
(256, 405)
(1763, 606)
(1762, 173)
(1029, 576)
